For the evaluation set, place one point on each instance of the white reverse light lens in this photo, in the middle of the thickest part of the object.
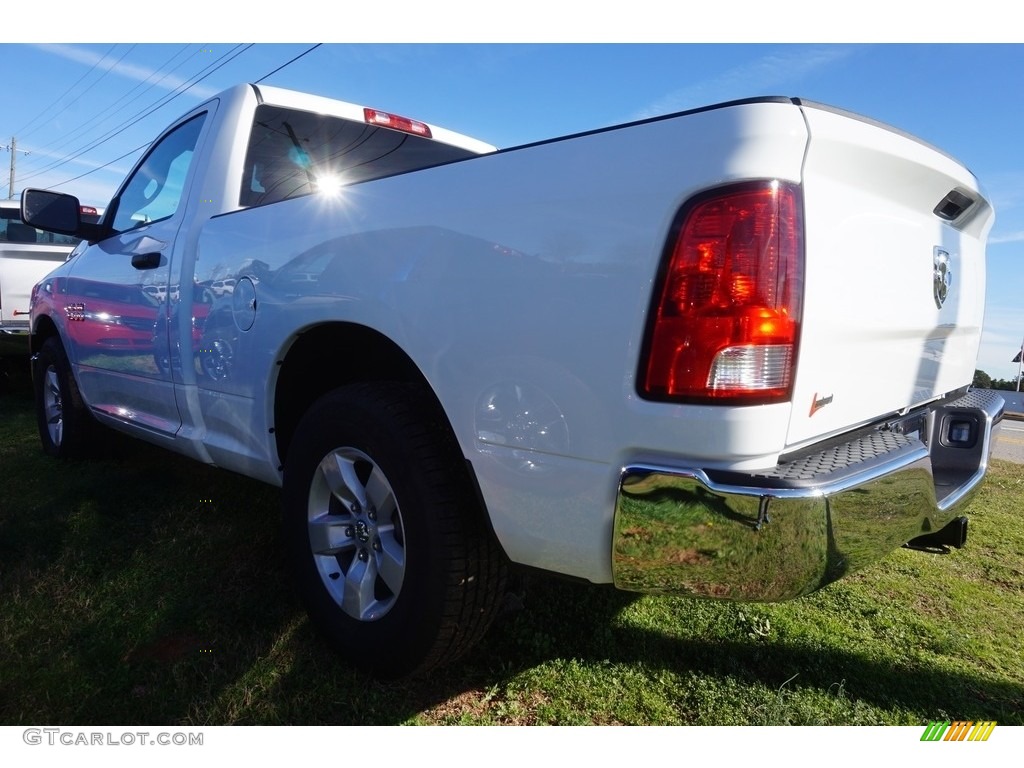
(751, 368)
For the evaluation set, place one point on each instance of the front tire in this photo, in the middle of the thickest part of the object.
(386, 538)
(65, 425)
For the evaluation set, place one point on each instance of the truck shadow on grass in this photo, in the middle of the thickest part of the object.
(146, 589)
(127, 596)
(724, 668)
(161, 618)
(568, 658)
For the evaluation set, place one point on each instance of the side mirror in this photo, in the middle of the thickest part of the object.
(50, 211)
(60, 213)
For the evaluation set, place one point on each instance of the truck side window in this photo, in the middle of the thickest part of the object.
(155, 189)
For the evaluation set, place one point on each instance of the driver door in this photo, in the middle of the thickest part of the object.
(120, 292)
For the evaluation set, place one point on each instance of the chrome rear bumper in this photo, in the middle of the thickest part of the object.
(790, 531)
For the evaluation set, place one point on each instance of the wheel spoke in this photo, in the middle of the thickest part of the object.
(53, 384)
(359, 581)
(53, 408)
(391, 561)
(379, 493)
(340, 473)
(330, 534)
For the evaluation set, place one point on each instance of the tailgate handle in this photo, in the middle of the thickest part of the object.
(953, 205)
(146, 260)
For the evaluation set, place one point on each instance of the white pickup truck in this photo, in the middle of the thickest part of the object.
(724, 353)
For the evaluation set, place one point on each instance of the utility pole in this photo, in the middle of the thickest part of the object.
(13, 148)
(1019, 360)
(1020, 363)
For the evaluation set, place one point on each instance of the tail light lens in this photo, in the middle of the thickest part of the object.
(725, 324)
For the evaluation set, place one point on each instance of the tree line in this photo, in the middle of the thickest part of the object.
(983, 381)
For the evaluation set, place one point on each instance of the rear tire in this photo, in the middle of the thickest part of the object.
(65, 426)
(384, 533)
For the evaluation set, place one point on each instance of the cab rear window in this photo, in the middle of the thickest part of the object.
(293, 153)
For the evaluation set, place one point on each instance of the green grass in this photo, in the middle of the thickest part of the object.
(147, 589)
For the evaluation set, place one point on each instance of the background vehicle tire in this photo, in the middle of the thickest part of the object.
(65, 426)
(384, 532)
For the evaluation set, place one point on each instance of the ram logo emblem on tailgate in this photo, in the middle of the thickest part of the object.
(942, 277)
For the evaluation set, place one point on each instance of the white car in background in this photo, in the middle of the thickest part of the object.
(27, 254)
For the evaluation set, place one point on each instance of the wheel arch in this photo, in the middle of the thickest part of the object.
(302, 380)
(302, 377)
(42, 330)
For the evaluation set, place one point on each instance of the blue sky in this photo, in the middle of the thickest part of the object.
(60, 99)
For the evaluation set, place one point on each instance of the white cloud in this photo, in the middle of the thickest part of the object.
(773, 71)
(120, 170)
(1008, 237)
(126, 69)
(1005, 189)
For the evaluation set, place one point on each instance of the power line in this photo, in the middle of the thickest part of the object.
(72, 87)
(205, 73)
(101, 167)
(93, 83)
(140, 115)
(174, 95)
(108, 112)
(308, 50)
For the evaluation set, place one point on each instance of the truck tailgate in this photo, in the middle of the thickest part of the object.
(894, 277)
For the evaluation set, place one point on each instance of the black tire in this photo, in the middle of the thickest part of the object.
(384, 532)
(65, 426)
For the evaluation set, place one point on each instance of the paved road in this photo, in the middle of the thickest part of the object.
(1010, 441)
(1014, 401)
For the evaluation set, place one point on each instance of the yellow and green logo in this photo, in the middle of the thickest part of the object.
(958, 730)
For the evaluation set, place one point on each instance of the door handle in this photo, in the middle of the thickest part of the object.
(146, 260)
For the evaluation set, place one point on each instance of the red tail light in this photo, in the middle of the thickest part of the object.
(727, 315)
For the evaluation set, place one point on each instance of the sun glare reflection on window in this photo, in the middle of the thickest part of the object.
(329, 185)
